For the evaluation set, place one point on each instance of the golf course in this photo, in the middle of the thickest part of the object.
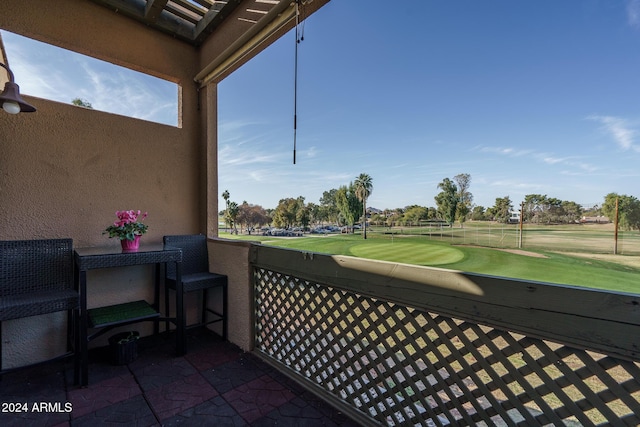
(570, 255)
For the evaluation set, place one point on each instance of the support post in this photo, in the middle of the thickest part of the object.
(615, 233)
(521, 221)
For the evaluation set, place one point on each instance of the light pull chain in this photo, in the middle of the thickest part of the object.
(295, 83)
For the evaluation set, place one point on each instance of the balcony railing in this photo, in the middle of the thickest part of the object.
(395, 344)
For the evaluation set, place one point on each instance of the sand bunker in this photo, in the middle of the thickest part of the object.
(525, 253)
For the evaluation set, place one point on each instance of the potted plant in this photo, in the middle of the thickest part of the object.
(128, 228)
(124, 347)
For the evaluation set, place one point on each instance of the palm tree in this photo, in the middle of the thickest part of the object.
(232, 214)
(225, 196)
(364, 187)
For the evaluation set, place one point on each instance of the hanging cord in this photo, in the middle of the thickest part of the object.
(295, 87)
(299, 38)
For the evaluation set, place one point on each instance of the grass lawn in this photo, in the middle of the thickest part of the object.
(542, 266)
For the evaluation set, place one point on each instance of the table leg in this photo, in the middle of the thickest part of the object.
(181, 342)
(156, 298)
(82, 340)
(225, 311)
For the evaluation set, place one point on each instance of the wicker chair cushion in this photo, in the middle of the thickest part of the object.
(197, 281)
(36, 303)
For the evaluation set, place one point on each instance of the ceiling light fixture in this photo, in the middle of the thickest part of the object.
(10, 98)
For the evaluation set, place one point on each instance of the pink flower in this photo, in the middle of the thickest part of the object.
(128, 217)
(128, 225)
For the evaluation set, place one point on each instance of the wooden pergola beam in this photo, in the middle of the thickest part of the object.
(153, 9)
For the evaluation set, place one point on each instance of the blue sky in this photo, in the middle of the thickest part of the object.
(527, 97)
(53, 73)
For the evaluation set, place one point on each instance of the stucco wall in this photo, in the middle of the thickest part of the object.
(65, 170)
(231, 257)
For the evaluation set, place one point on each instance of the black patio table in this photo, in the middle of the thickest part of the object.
(105, 318)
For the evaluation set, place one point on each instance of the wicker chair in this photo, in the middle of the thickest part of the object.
(196, 276)
(36, 277)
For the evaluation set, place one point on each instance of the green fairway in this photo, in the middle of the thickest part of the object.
(536, 266)
(407, 252)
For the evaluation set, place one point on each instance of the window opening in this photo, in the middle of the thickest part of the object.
(57, 74)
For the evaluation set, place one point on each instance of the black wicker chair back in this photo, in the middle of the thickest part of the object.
(36, 277)
(195, 256)
(196, 276)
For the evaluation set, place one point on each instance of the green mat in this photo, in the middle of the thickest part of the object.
(121, 313)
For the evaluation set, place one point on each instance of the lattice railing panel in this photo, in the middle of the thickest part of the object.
(402, 366)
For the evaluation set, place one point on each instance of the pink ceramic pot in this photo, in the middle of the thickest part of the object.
(130, 245)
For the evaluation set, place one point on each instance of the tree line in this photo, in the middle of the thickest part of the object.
(347, 206)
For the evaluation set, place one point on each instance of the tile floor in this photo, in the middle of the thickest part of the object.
(215, 384)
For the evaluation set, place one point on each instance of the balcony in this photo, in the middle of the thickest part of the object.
(381, 343)
(343, 340)
(215, 384)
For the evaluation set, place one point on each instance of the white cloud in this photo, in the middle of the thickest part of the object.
(579, 167)
(33, 77)
(506, 151)
(311, 152)
(633, 13)
(233, 126)
(49, 72)
(553, 160)
(572, 161)
(235, 155)
(620, 129)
